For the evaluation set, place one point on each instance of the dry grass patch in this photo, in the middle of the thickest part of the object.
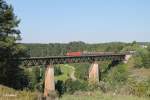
(100, 96)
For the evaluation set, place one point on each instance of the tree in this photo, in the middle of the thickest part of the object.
(11, 73)
(134, 43)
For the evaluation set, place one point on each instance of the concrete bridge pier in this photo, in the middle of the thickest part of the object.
(127, 57)
(49, 85)
(94, 73)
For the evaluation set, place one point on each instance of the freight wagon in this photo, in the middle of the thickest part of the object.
(88, 53)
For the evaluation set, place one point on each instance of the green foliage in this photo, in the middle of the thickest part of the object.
(81, 70)
(64, 83)
(97, 95)
(7, 93)
(11, 73)
(60, 87)
(31, 78)
(131, 47)
(137, 61)
(146, 58)
(138, 88)
(115, 47)
(55, 49)
(72, 86)
(57, 70)
(76, 46)
(142, 58)
(35, 78)
(66, 71)
(117, 75)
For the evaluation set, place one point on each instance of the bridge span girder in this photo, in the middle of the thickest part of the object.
(36, 61)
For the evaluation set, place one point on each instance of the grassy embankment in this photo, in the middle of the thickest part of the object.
(11, 94)
(100, 96)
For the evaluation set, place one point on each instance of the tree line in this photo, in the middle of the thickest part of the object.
(59, 49)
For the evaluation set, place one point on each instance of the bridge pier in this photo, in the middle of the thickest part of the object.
(94, 73)
(49, 85)
(127, 57)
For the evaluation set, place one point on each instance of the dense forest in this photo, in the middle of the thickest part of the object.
(59, 49)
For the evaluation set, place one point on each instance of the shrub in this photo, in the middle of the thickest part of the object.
(138, 88)
(117, 76)
(81, 71)
(101, 86)
(57, 70)
(35, 78)
(60, 87)
(141, 58)
(72, 86)
(137, 62)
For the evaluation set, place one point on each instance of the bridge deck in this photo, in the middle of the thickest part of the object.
(33, 61)
(49, 57)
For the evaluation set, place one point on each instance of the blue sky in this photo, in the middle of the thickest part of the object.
(92, 21)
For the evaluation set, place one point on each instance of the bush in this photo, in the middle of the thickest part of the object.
(146, 60)
(81, 71)
(35, 78)
(72, 86)
(60, 87)
(137, 62)
(138, 88)
(141, 58)
(117, 76)
(101, 86)
(57, 70)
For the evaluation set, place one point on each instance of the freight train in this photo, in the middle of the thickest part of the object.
(88, 53)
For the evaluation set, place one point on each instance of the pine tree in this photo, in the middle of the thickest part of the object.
(10, 72)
